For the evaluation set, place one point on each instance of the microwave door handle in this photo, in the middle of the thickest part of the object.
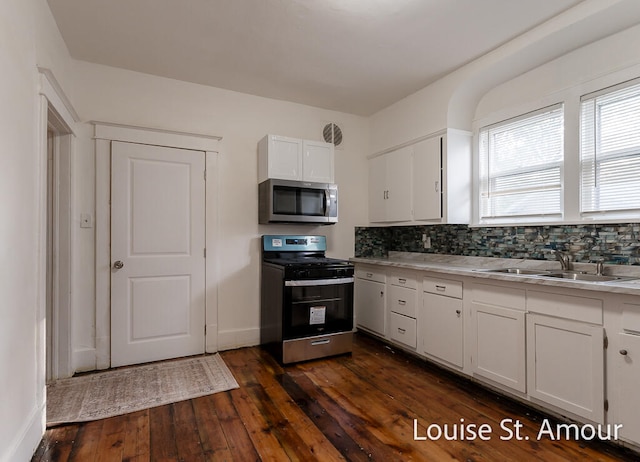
(327, 202)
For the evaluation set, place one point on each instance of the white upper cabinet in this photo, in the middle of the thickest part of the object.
(390, 186)
(295, 159)
(317, 161)
(442, 178)
(429, 181)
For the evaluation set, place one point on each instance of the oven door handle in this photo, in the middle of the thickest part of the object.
(318, 282)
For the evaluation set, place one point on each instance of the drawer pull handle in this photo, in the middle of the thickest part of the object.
(401, 330)
(624, 352)
(402, 280)
(321, 342)
(458, 312)
(381, 293)
(369, 275)
(402, 302)
(441, 288)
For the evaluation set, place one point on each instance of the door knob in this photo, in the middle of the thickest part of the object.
(118, 264)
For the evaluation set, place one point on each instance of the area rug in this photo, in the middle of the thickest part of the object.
(120, 391)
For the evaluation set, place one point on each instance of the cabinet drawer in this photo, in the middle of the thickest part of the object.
(403, 329)
(631, 318)
(401, 280)
(445, 287)
(507, 297)
(371, 274)
(402, 300)
(565, 306)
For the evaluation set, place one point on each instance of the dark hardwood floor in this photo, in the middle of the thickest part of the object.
(356, 407)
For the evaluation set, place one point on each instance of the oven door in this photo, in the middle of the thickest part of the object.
(315, 307)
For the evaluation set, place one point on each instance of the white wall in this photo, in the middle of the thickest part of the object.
(600, 64)
(113, 95)
(451, 101)
(564, 80)
(28, 37)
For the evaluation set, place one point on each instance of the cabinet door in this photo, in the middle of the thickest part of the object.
(628, 377)
(398, 179)
(369, 305)
(565, 365)
(427, 179)
(284, 158)
(317, 161)
(377, 188)
(498, 345)
(441, 328)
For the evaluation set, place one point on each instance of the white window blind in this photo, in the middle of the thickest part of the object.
(610, 151)
(521, 162)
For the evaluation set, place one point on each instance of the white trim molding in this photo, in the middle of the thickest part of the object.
(51, 89)
(104, 134)
(57, 114)
(155, 136)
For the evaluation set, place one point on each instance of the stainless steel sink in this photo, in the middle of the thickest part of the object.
(517, 271)
(570, 275)
(585, 277)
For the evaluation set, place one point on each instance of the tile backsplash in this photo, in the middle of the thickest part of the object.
(613, 243)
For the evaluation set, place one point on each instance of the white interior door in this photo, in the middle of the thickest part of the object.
(157, 253)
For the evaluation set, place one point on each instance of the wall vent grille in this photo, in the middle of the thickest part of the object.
(332, 133)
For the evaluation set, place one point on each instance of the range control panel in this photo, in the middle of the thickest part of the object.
(284, 243)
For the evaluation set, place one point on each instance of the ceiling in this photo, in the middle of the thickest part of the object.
(353, 56)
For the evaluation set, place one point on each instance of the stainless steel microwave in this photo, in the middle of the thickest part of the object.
(285, 201)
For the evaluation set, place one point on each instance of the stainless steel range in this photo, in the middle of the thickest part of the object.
(306, 309)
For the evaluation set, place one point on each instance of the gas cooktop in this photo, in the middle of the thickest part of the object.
(296, 260)
(303, 257)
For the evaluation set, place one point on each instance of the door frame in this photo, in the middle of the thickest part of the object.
(104, 134)
(58, 115)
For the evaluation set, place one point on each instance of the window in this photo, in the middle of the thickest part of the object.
(610, 151)
(520, 165)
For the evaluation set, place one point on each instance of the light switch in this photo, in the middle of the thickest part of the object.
(86, 220)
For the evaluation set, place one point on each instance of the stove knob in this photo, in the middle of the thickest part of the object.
(300, 274)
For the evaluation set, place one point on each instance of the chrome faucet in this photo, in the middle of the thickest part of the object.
(599, 268)
(564, 260)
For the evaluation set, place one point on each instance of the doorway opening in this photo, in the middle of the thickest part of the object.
(58, 248)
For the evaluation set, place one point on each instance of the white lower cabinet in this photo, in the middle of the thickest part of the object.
(565, 365)
(370, 300)
(537, 343)
(624, 354)
(441, 331)
(497, 335)
(626, 393)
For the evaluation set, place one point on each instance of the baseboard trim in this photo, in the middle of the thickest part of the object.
(30, 437)
(238, 338)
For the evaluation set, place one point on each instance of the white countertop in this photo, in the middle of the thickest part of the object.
(477, 266)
